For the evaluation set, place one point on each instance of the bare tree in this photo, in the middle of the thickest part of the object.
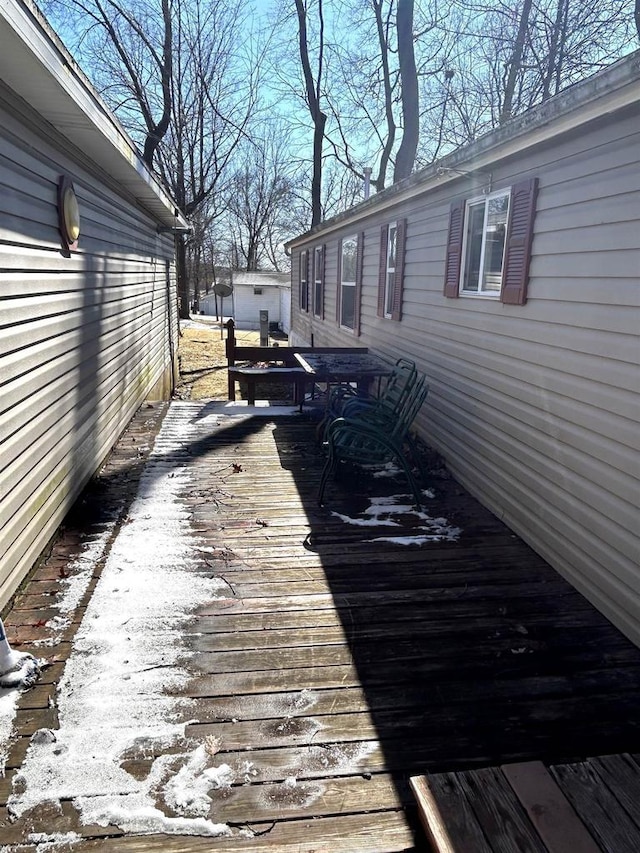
(129, 46)
(176, 75)
(313, 89)
(514, 65)
(258, 197)
(557, 42)
(406, 155)
(182, 81)
(372, 83)
(382, 31)
(510, 58)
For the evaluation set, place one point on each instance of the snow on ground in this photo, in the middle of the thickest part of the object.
(8, 703)
(113, 700)
(72, 589)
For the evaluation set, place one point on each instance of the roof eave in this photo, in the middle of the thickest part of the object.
(36, 66)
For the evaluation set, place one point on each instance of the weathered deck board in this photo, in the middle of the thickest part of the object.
(377, 832)
(615, 829)
(337, 665)
(584, 807)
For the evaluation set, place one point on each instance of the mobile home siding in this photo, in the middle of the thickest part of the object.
(84, 339)
(535, 406)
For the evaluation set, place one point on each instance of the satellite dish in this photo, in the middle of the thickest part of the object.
(223, 288)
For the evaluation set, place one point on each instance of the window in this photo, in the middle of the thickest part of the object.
(304, 271)
(391, 273)
(257, 291)
(484, 242)
(489, 244)
(347, 283)
(318, 281)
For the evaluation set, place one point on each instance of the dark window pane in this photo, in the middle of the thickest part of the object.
(347, 306)
(475, 226)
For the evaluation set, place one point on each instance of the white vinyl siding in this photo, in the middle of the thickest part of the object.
(535, 407)
(84, 339)
(247, 305)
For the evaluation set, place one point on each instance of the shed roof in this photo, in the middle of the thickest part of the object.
(35, 64)
(266, 278)
(615, 88)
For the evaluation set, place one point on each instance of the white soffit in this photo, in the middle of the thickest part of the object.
(36, 66)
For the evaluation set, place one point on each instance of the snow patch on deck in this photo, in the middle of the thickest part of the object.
(394, 511)
(128, 652)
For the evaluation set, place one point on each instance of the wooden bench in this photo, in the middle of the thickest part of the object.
(293, 375)
(587, 807)
(277, 363)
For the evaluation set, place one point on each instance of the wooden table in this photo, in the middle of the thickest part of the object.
(359, 367)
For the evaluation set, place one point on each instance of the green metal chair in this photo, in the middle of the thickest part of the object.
(345, 400)
(374, 438)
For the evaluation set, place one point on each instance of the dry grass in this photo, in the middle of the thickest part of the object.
(203, 366)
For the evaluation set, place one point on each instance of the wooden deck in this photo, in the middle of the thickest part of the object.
(339, 665)
(586, 807)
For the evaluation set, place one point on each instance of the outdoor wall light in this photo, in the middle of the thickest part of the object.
(68, 213)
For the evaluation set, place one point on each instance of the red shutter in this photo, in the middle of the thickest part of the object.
(358, 287)
(398, 279)
(382, 269)
(515, 273)
(454, 249)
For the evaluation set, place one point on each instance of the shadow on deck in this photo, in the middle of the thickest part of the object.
(350, 654)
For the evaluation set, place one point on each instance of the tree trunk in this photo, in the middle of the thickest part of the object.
(156, 132)
(313, 100)
(552, 58)
(406, 156)
(316, 180)
(515, 63)
(388, 98)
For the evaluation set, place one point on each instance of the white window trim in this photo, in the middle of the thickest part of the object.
(480, 294)
(352, 239)
(318, 279)
(389, 289)
(303, 283)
